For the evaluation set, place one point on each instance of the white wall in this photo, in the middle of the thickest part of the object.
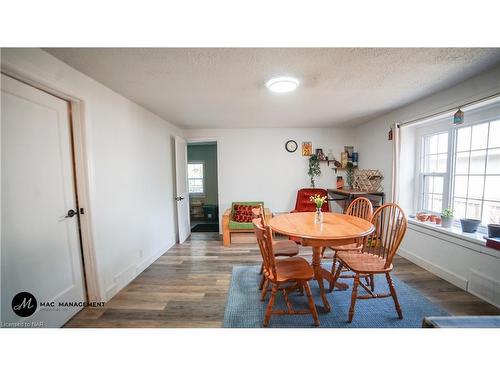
(131, 174)
(466, 264)
(254, 165)
(472, 267)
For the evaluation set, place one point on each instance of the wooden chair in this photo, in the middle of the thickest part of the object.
(282, 248)
(377, 254)
(280, 273)
(362, 208)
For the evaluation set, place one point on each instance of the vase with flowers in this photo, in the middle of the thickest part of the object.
(319, 201)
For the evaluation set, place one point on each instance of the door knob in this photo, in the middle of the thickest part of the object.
(178, 199)
(71, 213)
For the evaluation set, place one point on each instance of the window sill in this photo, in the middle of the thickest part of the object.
(477, 238)
(473, 241)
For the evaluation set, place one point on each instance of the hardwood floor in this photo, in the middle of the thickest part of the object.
(187, 287)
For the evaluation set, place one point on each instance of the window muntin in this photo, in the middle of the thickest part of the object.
(196, 183)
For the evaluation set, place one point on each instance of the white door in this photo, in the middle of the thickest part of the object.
(41, 252)
(182, 196)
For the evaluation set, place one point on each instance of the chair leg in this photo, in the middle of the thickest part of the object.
(372, 283)
(262, 280)
(312, 306)
(301, 288)
(354, 296)
(367, 280)
(264, 287)
(335, 276)
(394, 295)
(334, 262)
(270, 305)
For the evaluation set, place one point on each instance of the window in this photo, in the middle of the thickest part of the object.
(196, 182)
(469, 180)
(434, 171)
(477, 172)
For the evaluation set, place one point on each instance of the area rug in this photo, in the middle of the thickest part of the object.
(205, 228)
(245, 310)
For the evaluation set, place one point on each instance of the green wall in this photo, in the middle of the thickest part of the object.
(207, 153)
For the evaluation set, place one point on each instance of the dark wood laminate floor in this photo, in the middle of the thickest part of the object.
(187, 287)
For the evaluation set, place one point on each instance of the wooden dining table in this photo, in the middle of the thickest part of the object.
(336, 229)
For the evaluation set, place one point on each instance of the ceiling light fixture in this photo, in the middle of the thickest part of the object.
(282, 84)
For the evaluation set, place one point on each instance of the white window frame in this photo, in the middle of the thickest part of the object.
(475, 117)
(422, 175)
(203, 194)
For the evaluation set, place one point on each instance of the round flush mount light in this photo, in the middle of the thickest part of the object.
(282, 84)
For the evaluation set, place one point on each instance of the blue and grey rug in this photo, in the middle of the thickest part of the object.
(245, 310)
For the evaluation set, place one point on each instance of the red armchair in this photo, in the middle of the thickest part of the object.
(304, 204)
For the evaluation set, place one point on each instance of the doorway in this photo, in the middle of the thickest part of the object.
(40, 236)
(203, 186)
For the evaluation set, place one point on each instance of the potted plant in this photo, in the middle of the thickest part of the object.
(314, 169)
(447, 217)
(493, 230)
(319, 201)
(469, 225)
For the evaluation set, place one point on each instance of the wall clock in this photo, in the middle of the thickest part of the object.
(291, 146)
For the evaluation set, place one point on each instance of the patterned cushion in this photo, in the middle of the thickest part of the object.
(243, 213)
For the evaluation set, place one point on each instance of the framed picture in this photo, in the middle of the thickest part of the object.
(320, 154)
(307, 148)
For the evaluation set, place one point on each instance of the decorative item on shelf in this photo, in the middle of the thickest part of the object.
(291, 146)
(355, 156)
(314, 169)
(447, 217)
(336, 164)
(340, 182)
(469, 225)
(369, 180)
(458, 117)
(344, 158)
(307, 148)
(349, 150)
(349, 175)
(319, 201)
(330, 155)
(320, 155)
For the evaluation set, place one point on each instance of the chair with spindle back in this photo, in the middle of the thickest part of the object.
(282, 248)
(362, 208)
(281, 273)
(376, 256)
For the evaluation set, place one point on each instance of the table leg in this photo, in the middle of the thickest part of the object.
(318, 274)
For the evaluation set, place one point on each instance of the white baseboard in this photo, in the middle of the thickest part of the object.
(436, 270)
(124, 277)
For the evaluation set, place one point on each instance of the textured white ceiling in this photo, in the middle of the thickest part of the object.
(224, 88)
